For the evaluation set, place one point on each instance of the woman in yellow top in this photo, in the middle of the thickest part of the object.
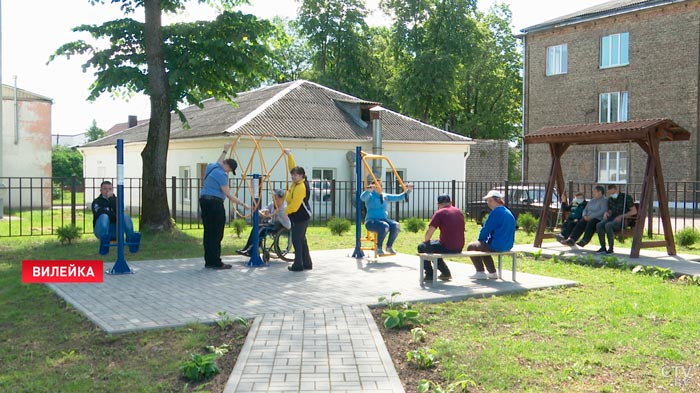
(299, 213)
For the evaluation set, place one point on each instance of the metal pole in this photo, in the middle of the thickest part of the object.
(2, 153)
(255, 260)
(358, 207)
(120, 266)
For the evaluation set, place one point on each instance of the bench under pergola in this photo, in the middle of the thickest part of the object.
(645, 133)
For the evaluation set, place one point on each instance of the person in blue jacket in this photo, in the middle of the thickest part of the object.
(377, 219)
(497, 234)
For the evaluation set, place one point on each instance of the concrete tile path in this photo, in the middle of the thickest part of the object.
(312, 330)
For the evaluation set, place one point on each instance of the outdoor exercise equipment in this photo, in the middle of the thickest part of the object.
(252, 179)
(362, 180)
(249, 167)
(120, 266)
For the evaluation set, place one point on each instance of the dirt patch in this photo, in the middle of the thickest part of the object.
(398, 343)
(234, 335)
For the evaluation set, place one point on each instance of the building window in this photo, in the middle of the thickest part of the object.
(612, 167)
(557, 59)
(391, 184)
(614, 50)
(613, 107)
(321, 184)
(185, 183)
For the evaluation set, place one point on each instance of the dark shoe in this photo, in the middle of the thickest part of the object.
(243, 251)
(292, 269)
(609, 251)
(104, 245)
(581, 244)
(445, 277)
(428, 278)
(134, 242)
(308, 267)
(568, 242)
(601, 250)
(223, 266)
(560, 238)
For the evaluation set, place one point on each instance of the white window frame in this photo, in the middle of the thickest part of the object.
(613, 107)
(323, 174)
(557, 60)
(185, 186)
(614, 50)
(612, 167)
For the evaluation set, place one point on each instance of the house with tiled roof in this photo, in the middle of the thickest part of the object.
(321, 126)
(621, 60)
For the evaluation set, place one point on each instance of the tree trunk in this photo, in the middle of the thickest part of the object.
(155, 213)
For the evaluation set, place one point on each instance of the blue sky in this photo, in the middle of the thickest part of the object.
(33, 29)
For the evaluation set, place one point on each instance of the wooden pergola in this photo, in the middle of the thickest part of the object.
(645, 133)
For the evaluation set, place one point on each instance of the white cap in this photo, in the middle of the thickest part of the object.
(493, 194)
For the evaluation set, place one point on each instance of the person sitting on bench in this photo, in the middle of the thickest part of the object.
(575, 210)
(450, 221)
(104, 218)
(620, 205)
(592, 214)
(497, 235)
(278, 220)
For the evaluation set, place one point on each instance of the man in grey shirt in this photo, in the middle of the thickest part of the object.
(592, 215)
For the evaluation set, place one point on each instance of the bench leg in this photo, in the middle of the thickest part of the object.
(435, 271)
(515, 264)
(420, 271)
(500, 267)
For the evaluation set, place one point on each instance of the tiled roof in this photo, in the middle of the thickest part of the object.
(613, 7)
(299, 109)
(599, 133)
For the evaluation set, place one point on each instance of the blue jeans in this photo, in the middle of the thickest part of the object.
(104, 227)
(384, 227)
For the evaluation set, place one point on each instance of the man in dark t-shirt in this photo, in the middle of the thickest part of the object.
(450, 221)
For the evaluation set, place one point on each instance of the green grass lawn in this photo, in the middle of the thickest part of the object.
(615, 332)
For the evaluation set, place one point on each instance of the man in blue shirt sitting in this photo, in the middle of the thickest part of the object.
(497, 235)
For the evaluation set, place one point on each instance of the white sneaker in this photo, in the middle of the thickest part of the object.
(479, 276)
(492, 276)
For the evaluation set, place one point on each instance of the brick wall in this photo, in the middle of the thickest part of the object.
(661, 78)
(488, 161)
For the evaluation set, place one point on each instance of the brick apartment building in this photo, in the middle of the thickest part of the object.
(620, 60)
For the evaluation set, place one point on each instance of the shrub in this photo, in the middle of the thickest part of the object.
(338, 225)
(527, 222)
(200, 367)
(414, 224)
(68, 233)
(422, 358)
(687, 237)
(238, 226)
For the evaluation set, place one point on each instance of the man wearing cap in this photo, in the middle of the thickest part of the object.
(497, 234)
(450, 221)
(211, 205)
(278, 220)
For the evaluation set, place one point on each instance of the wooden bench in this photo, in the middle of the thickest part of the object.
(434, 258)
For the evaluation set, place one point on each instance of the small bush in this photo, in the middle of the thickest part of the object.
(200, 367)
(68, 233)
(414, 224)
(687, 237)
(338, 225)
(422, 358)
(239, 226)
(527, 222)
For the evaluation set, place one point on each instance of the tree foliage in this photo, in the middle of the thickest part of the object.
(173, 64)
(66, 162)
(94, 132)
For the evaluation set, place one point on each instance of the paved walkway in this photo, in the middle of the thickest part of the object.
(312, 330)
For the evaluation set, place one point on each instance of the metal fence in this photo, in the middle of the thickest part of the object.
(39, 206)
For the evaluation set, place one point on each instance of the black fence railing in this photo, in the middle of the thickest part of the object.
(39, 206)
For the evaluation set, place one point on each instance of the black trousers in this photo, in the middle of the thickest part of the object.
(434, 247)
(214, 221)
(302, 257)
(588, 228)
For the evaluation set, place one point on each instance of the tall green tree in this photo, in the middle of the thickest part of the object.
(339, 38)
(456, 68)
(94, 132)
(66, 162)
(182, 62)
(291, 52)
